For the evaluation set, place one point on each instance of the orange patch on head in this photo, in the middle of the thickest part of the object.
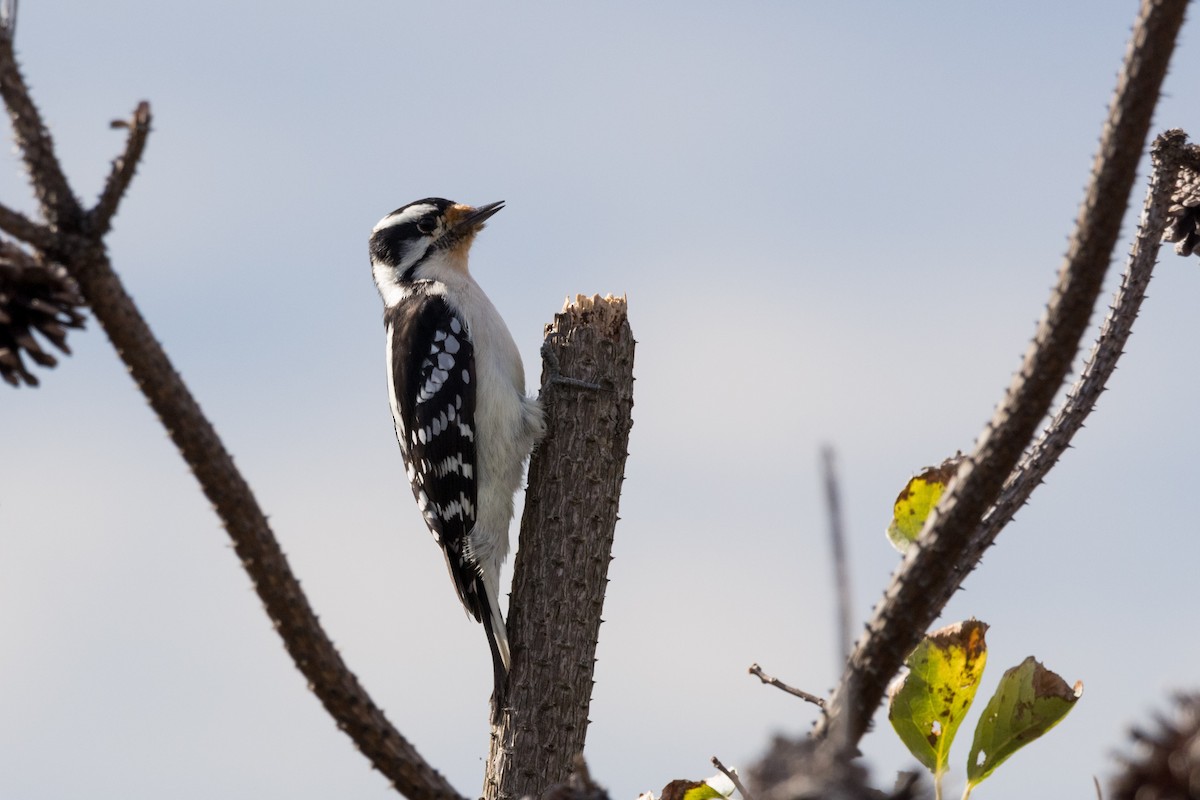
(456, 212)
(463, 239)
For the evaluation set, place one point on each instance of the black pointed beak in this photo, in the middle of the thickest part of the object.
(469, 224)
(474, 219)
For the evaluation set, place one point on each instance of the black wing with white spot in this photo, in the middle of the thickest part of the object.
(433, 404)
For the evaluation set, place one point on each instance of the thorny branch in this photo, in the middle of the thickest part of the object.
(930, 572)
(74, 239)
(1166, 153)
(57, 201)
(567, 529)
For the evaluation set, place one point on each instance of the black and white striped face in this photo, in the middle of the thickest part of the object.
(434, 233)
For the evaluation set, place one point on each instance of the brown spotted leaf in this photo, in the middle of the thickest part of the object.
(918, 498)
(929, 703)
(1029, 701)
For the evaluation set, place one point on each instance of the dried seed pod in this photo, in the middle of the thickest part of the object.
(1166, 763)
(34, 299)
(1184, 226)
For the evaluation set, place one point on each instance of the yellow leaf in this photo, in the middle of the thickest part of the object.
(690, 790)
(919, 497)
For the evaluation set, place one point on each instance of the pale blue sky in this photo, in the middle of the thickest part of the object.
(835, 222)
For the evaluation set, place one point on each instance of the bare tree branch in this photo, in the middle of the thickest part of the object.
(914, 598)
(757, 671)
(123, 167)
(841, 566)
(561, 568)
(82, 252)
(311, 649)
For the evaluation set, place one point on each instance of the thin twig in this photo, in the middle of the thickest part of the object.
(841, 567)
(756, 670)
(733, 777)
(918, 589)
(123, 167)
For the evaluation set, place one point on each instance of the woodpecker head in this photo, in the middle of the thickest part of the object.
(429, 238)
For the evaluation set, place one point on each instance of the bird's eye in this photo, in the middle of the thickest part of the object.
(426, 226)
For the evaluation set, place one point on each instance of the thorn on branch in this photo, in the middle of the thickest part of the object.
(756, 670)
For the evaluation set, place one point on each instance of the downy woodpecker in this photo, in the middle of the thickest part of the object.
(457, 391)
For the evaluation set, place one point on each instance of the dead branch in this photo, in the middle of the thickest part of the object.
(75, 241)
(561, 568)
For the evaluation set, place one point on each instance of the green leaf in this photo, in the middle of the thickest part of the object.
(702, 792)
(697, 790)
(1029, 701)
(929, 703)
(918, 498)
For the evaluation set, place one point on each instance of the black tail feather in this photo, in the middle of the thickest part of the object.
(500, 691)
